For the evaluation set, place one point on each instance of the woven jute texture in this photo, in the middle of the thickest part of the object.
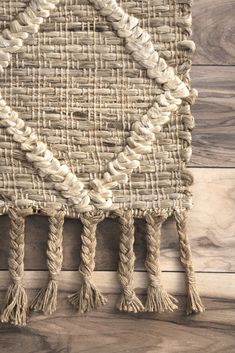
(95, 119)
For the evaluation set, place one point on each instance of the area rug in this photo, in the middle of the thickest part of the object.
(95, 118)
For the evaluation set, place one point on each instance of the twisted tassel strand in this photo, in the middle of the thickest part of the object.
(128, 301)
(158, 300)
(88, 297)
(194, 303)
(16, 308)
(46, 299)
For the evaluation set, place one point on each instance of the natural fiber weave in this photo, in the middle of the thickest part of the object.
(95, 121)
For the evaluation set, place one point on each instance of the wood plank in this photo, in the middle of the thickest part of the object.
(214, 133)
(214, 285)
(107, 330)
(211, 229)
(213, 32)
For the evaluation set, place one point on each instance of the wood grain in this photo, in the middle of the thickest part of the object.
(108, 331)
(213, 32)
(214, 133)
(211, 229)
(216, 285)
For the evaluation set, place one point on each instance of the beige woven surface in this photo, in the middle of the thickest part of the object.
(95, 118)
(75, 84)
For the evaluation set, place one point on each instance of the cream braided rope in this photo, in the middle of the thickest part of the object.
(142, 134)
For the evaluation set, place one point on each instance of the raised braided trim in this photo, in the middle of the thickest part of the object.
(28, 21)
(138, 43)
(142, 132)
(11, 40)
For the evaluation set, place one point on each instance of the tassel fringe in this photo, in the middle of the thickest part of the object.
(158, 300)
(16, 309)
(88, 297)
(194, 303)
(46, 299)
(130, 304)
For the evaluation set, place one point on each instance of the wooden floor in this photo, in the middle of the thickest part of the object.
(212, 231)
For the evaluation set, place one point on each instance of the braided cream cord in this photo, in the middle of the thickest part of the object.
(11, 40)
(88, 297)
(140, 46)
(16, 308)
(158, 299)
(194, 303)
(128, 301)
(46, 299)
(28, 21)
(140, 142)
(138, 43)
(42, 158)
(142, 134)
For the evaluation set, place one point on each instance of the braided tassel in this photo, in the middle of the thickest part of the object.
(16, 308)
(194, 303)
(158, 300)
(88, 297)
(128, 301)
(46, 298)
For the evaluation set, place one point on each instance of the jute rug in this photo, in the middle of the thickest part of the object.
(95, 114)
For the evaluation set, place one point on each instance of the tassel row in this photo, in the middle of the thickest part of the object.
(88, 297)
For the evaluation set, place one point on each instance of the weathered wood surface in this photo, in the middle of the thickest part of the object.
(211, 229)
(214, 133)
(108, 331)
(216, 285)
(213, 32)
